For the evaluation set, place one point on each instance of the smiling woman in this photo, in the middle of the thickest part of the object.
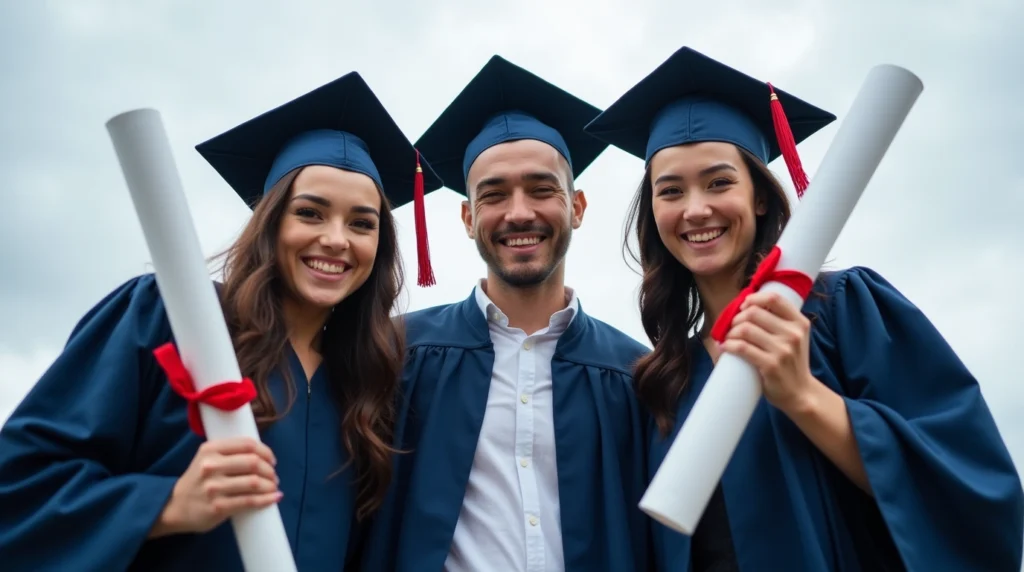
(98, 463)
(328, 238)
(873, 448)
(706, 200)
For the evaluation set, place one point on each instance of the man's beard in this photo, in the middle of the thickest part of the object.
(525, 277)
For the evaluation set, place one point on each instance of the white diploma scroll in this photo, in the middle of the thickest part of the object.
(696, 460)
(192, 306)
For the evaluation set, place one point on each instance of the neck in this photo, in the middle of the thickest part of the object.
(530, 308)
(715, 293)
(304, 325)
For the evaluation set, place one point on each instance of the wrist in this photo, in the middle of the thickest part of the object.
(807, 403)
(170, 520)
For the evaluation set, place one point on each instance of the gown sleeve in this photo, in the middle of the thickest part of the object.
(70, 498)
(941, 476)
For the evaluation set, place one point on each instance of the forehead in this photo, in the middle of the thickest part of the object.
(693, 157)
(338, 185)
(515, 159)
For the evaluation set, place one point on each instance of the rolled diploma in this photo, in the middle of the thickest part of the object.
(696, 460)
(192, 307)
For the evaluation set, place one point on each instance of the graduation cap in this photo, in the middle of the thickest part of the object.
(691, 98)
(502, 103)
(341, 124)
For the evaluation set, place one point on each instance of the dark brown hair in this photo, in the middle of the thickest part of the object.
(670, 305)
(362, 346)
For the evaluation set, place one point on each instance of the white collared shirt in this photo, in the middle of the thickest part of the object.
(510, 517)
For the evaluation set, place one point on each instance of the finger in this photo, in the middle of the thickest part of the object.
(763, 319)
(235, 486)
(774, 303)
(247, 464)
(239, 445)
(230, 506)
(750, 353)
(753, 334)
(234, 465)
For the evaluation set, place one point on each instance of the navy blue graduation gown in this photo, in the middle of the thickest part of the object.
(90, 457)
(600, 432)
(946, 493)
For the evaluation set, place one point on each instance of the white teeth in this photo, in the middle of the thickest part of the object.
(705, 236)
(523, 241)
(324, 266)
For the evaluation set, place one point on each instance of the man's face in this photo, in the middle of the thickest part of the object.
(522, 212)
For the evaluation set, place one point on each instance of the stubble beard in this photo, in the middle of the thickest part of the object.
(524, 277)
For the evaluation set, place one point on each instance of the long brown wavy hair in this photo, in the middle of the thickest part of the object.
(362, 347)
(670, 305)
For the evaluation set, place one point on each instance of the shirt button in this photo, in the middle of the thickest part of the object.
(524, 462)
(524, 398)
(533, 521)
(528, 345)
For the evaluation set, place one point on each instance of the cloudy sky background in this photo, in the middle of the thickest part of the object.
(940, 219)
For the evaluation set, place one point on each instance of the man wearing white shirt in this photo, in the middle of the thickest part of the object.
(525, 442)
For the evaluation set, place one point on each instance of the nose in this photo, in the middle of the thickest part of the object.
(520, 210)
(335, 237)
(697, 208)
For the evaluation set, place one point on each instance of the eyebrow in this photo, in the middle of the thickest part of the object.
(366, 210)
(535, 177)
(313, 199)
(362, 209)
(670, 178)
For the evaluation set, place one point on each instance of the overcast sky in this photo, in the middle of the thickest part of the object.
(941, 219)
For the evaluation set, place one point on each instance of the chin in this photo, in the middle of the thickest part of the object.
(321, 299)
(530, 265)
(524, 275)
(701, 271)
(703, 266)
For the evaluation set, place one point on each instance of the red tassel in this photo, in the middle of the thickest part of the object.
(787, 144)
(426, 271)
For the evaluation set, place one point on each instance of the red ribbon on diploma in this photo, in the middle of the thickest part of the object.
(766, 272)
(226, 396)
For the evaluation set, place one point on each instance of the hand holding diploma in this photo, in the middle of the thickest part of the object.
(226, 477)
(774, 337)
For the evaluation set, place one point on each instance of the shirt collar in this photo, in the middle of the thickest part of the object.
(559, 321)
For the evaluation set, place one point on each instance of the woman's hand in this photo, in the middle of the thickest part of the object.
(774, 337)
(226, 476)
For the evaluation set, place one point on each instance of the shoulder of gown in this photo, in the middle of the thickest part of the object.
(590, 341)
(940, 473)
(66, 452)
(457, 325)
